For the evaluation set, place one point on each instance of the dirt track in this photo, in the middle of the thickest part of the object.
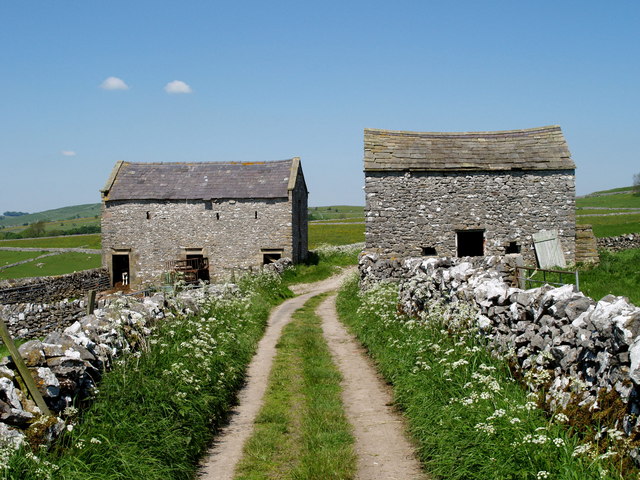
(382, 449)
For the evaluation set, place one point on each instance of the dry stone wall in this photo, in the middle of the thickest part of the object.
(67, 364)
(582, 348)
(52, 289)
(621, 242)
(409, 211)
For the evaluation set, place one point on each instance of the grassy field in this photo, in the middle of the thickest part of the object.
(53, 265)
(469, 416)
(611, 226)
(336, 212)
(301, 430)
(92, 241)
(7, 258)
(619, 200)
(343, 234)
(65, 213)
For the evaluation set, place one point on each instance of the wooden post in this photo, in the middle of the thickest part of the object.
(22, 369)
(91, 302)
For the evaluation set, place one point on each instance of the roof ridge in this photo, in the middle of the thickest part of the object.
(545, 129)
(259, 162)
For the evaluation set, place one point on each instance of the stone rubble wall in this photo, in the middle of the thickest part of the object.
(585, 348)
(67, 365)
(51, 289)
(30, 320)
(621, 242)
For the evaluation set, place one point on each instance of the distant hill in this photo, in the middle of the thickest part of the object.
(57, 214)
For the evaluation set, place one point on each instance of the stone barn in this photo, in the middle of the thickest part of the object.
(467, 194)
(201, 220)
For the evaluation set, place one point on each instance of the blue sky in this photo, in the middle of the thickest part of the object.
(273, 80)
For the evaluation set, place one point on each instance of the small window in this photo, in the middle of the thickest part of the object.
(428, 251)
(270, 257)
(217, 215)
(256, 215)
(148, 215)
(513, 247)
(470, 243)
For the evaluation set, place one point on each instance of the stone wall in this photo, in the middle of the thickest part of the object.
(32, 320)
(52, 289)
(230, 233)
(67, 364)
(621, 242)
(578, 348)
(409, 211)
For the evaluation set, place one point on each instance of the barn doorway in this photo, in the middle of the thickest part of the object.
(120, 269)
(470, 243)
(201, 264)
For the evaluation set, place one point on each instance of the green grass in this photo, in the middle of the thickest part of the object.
(617, 274)
(325, 262)
(469, 416)
(8, 257)
(613, 190)
(156, 413)
(336, 212)
(339, 220)
(580, 212)
(301, 431)
(53, 265)
(619, 200)
(335, 234)
(613, 225)
(57, 214)
(92, 241)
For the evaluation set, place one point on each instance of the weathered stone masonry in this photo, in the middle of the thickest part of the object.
(407, 212)
(235, 215)
(445, 193)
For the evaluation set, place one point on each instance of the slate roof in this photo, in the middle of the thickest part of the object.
(542, 148)
(200, 181)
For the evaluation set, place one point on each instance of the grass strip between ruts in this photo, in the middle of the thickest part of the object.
(301, 431)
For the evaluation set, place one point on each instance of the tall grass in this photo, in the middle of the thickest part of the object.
(157, 410)
(471, 419)
(322, 263)
(301, 431)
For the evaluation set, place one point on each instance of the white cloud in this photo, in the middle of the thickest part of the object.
(177, 86)
(68, 153)
(114, 83)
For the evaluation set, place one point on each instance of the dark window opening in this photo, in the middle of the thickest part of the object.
(217, 216)
(513, 247)
(148, 215)
(426, 251)
(270, 257)
(200, 266)
(256, 214)
(470, 243)
(120, 269)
